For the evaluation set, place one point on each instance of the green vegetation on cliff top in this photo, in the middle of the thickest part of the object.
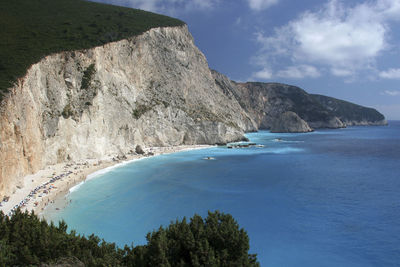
(31, 30)
(347, 111)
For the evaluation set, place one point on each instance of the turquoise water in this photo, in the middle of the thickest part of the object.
(327, 198)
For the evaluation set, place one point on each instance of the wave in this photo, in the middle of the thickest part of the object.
(285, 150)
(101, 172)
(286, 141)
(75, 187)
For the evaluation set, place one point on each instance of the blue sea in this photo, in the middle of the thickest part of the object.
(326, 198)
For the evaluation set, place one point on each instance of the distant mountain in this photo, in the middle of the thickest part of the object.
(267, 102)
(349, 113)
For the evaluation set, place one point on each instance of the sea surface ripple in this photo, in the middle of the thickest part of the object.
(327, 198)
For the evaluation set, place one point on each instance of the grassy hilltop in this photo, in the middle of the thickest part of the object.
(32, 29)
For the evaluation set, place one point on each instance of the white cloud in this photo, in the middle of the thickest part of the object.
(390, 74)
(169, 7)
(199, 4)
(259, 5)
(390, 8)
(345, 39)
(292, 72)
(238, 21)
(264, 74)
(148, 5)
(391, 92)
(391, 112)
(341, 72)
(299, 72)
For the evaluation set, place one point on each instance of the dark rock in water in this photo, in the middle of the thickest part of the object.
(245, 139)
(221, 144)
(241, 145)
(139, 150)
(290, 122)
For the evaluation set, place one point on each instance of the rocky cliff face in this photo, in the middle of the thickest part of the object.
(351, 114)
(155, 89)
(152, 90)
(286, 108)
(267, 102)
(289, 122)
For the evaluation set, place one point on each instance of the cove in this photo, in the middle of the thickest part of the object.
(327, 198)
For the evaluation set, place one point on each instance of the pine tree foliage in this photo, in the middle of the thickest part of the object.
(217, 240)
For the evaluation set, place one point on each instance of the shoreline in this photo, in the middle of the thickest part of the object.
(54, 182)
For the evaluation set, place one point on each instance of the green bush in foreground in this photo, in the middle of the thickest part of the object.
(25, 240)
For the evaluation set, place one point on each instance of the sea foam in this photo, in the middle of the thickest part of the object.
(101, 172)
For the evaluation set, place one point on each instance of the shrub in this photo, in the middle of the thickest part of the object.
(217, 240)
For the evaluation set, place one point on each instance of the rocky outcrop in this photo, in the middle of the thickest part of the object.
(265, 102)
(155, 89)
(289, 122)
(351, 114)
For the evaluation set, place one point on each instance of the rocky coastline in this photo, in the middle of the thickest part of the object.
(53, 183)
(151, 90)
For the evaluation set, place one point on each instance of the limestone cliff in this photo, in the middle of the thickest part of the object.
(351, 114)
(289, 122)
(282, 107)
(154, 89)
(266, 102)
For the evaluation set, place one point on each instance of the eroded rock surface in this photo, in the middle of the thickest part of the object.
(289, 122)
(267, 102)
(155, 89)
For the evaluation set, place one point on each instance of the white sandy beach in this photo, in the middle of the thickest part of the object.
(44, 187)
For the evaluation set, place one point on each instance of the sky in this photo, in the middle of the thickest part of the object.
(344, 49)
